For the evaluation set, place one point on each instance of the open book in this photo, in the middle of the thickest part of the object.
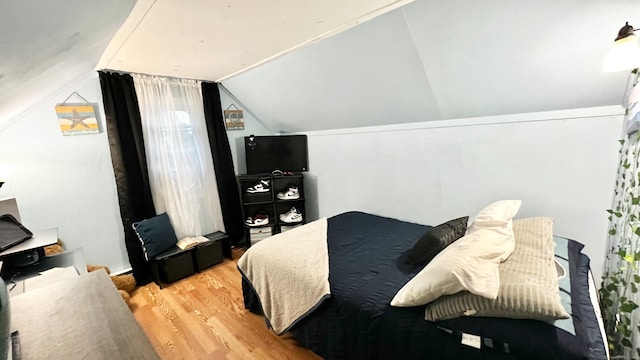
(189, 242)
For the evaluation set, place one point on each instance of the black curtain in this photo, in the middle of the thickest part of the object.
(124, 130)
(223, 163)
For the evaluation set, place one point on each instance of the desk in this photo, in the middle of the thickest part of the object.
(80, 318)
(40, 239)
(26, 278)
(27, 252)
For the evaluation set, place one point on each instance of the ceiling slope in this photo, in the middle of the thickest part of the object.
(405, 61)
(212, 40)
(47, 45)
(443, 59)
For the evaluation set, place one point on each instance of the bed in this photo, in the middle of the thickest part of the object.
(367, 260)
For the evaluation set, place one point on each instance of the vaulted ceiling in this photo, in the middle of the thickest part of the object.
(311, 65)
(47, 45)
(213, 40)
(444, 59)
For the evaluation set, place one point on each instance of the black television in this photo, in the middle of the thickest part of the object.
(286, 153)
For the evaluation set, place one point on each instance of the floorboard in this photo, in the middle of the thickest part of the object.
(203, 317)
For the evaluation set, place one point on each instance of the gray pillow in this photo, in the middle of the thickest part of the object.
(528, 281)
(436, 240)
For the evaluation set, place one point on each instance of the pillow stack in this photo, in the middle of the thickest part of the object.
(528, 282)
(470, 263)
(499, 268)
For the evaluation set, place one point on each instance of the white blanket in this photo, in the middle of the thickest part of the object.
(289, 272)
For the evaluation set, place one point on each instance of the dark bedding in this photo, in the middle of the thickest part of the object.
(368, 265)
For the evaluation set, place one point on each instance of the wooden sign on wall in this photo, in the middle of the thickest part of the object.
(233, 119)
(77, 118)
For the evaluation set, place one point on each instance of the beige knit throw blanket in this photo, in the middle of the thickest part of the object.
(290, 273)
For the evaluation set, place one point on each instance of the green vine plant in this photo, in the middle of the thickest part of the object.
(619, 291)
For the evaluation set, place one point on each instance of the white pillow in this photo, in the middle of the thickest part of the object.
(497, 216)
(471, 263)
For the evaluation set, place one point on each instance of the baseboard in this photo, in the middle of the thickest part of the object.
(123, 271)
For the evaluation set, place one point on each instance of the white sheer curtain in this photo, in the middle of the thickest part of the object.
(181, 173)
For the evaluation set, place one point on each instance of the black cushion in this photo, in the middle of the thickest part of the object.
(156, 235)
(436, 239)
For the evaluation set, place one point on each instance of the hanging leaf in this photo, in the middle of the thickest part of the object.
(608, 302)
(620, 327)
(636, 278)
(612, 232)
(628, 306)
(626, 342)
(621, 141)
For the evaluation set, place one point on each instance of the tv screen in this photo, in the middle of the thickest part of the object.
(287, 153)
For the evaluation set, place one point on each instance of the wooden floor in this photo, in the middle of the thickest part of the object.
(203, 317)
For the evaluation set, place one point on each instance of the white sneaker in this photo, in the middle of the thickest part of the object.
(259, 187)
(291, 216)
(290, 194)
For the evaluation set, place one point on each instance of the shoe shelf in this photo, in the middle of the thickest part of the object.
(271, 204)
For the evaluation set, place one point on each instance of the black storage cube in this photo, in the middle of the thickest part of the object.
(172, 265)
(224, 240)
(208, 254)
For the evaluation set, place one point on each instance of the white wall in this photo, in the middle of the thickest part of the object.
(66, 181)
(560, 164)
